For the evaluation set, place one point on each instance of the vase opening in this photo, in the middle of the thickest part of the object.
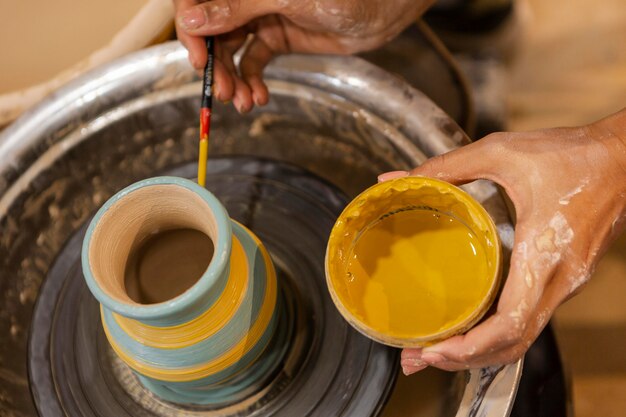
(167, 263)
(153, 244)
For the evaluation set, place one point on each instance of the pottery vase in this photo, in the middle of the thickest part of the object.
(215, 342)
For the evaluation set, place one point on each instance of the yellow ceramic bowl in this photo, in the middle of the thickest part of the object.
(412, 261)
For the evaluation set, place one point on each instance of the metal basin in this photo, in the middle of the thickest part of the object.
(285, 170)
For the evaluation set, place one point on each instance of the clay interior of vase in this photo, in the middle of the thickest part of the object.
(153, 244)
(166, 265)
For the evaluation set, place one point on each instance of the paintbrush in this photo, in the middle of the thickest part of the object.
(205, 112)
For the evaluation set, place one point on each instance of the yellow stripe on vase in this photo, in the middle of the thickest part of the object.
(225, 360)
(206, 324)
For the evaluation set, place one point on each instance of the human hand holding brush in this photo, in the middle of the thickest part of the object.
(280, 27)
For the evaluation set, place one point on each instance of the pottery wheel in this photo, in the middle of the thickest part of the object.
(136, 118)
(329, 368)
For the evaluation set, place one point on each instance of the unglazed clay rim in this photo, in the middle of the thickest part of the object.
(464, 325)
(216, 267)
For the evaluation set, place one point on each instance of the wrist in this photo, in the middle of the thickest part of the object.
(611, 133)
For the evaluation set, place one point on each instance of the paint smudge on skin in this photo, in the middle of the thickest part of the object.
(553, 241)
(520, 255)
(542, 318)
(522, 264)
(518, 313)
(339, 18)
(580, 279)
(218, 11)
(522, 250)
(563, 232)
(545, 241)
(567, 197)
(413, 362)
(529, 279)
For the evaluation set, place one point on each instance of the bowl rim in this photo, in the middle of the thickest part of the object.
(414, 182)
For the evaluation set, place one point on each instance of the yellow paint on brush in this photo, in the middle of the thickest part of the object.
(203, 154)
(416, 272)
(412, 261)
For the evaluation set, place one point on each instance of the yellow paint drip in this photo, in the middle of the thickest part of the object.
(415, 273)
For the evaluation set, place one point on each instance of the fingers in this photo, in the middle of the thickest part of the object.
(523, 309)
(224, 85)
(221, 16)
(411, 361)
(195, 46)
(392, 175)
(249, 88)
(409, 369)
(242, 100)
(503, 330)
(517, 341)
(253, 61)
(502, 357)
(235, 88)
(493, 341)
(499, 340)
(195, 21)
(478, 160)
(228, 84)
(494, 335)
(537, 284)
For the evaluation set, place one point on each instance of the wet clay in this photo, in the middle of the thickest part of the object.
(416, 272)
(166, 265)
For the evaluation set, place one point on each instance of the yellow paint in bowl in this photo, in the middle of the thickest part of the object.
(412, 261)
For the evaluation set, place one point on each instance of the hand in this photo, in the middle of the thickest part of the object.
(569, 191)
(279, 27)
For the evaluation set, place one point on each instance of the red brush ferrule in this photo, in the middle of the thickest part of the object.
(205, 122)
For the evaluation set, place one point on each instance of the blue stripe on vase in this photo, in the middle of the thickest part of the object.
(222, 341)
(218, 387)
(193, 301)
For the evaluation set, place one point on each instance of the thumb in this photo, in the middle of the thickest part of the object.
(392, 175)
(220, 16)
(463, 165)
